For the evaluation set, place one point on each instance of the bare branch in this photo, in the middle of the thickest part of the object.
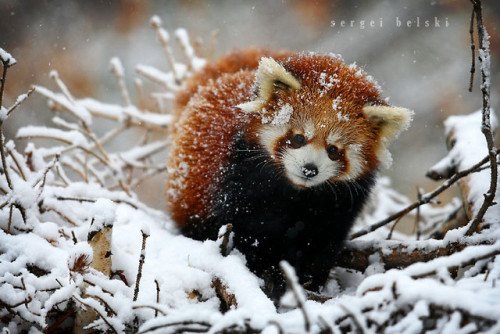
(98, 312)
(293, 284)
(20, 100)
(153, 307)
(484, 60)
(423, 200)
(224, 246)
(117, 69)
(142, 257)
(472, 48)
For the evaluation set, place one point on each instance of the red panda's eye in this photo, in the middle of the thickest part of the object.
(298, 140)
(333, 152)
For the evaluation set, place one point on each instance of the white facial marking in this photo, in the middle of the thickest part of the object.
(309, 130)
(333, 138)
(294, 161)
(269, 134)
(356, 161)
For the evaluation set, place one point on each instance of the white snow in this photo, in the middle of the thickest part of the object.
(7, 57)
(327, 82)
(3, 114)
(281, 117)
(70, 137)
(117, 66)
(469, 148)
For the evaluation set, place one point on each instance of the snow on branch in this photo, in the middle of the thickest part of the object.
(486, 123)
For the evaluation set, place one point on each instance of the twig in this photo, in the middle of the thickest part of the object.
(205, 326)
(389, 236)
(60, 214)
(22, 211)
(224, 246)
(16, 162)
(462, 263)
(106, 305)
(361, 327)
(62, 86)
(164, 39)
(293, 284)
(227, 299)
(62, 175)
(11, 209)
(12, 306)
(356, 257)
(416, 225)
(139, 88)
(142, 257)
(484, 60)
(423, 200)
(472, 48)
(117, 69)
(153, 307)
(45, 172)
(2, 150)
(91, 200)
(103, 317)
(20, 100)
(157, 295)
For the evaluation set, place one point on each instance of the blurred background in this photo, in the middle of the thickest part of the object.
(422, 68)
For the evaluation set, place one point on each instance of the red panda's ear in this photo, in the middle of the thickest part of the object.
(269, 77)
(390, 121)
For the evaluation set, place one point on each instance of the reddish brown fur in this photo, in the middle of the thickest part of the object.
(356, 91)
(247, 59)
(209, 116)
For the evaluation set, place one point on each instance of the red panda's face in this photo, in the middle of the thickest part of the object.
(313, 150)
(321, 120)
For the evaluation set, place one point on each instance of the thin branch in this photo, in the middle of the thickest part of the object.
(20, 100)
(423, 200)
(484, 60)
(16, 162)
(60, 214)
(293, 284)
(462, 264)
(355, 256)
(224, 246)
(416, 224)
(153, 307)
(472, 48)
(11, 209)
(205, 326)
(164, 39)
(102, 316)
(91, 200)
(64, 89)
(389, 236)
(117, 69)
(142, 258)
(227, 299)
(4, 160)
(157, 295)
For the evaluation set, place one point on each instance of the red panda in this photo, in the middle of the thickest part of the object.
(284, 146)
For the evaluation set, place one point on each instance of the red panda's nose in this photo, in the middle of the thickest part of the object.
(309, 170)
